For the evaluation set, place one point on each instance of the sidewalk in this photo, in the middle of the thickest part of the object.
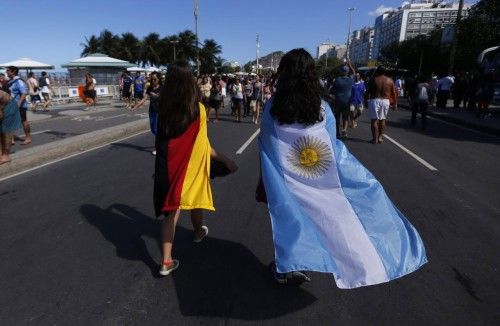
(465, 118)
(67, 129)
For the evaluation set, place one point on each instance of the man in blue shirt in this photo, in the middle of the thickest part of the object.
(357, 99)
(18, 90)
(342, 89)
(139, 86)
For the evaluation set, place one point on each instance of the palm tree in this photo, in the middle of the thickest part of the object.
(186, 48)
(150, 50)
(167, 48)
(129, 48)
(109, 43)
(208, 56)
(91, 45)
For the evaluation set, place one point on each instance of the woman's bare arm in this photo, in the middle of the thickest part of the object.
(222, 158)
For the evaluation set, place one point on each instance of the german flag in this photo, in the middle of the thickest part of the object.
(183, 169)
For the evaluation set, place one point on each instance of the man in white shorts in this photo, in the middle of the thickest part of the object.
(382, 95)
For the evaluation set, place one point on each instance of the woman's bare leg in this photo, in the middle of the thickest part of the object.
(167, 234)
(5, 140)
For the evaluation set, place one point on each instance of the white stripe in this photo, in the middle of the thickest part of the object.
(245, 145)
(72, 155)
(40, 132)
(111, 117)
(415, 156)
(324, 203)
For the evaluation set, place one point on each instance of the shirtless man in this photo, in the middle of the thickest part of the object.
(381, 95)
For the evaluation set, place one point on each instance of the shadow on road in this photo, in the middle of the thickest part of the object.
(439, 129)
(125, 227)
(217, 278)
(132, 146)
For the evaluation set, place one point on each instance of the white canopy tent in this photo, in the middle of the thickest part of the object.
(136, 69)
(147, 70)
(27, 63)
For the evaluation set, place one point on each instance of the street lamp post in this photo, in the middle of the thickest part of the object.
(257, 46)
(174, 42)
(197, 42)
(351, 9)
(454, 42)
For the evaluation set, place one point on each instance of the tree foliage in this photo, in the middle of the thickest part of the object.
(154, 50)
(330, 68)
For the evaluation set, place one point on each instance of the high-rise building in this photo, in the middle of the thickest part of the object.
(333, 50)
(323, 48)
(361, 45)
(411, 20)
(338, 51)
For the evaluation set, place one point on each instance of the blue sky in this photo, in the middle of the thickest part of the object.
(51, 30)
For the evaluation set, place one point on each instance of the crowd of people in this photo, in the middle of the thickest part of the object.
(471, 91)
(350, 93)
(297, 145)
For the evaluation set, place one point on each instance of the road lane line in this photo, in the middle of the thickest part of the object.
(415, 156)
(40, 132)
(245, 145)
(72, 155)
(111, 117)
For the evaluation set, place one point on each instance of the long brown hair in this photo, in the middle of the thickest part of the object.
(178, 101)
(298, 90)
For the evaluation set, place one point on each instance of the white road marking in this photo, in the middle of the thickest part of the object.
(40, 132)
(111, 117)
(245, 145)
(72, 155)
(415, 156)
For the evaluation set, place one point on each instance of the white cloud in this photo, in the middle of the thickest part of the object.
(380, 10)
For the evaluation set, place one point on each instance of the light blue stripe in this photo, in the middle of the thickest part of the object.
(298, 244)
(397, 242)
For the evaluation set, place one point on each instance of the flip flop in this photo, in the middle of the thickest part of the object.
(198, 240)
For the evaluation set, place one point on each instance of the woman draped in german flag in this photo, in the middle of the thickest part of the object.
(182, 167)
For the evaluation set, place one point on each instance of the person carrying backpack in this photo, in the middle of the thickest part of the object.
(422, 97)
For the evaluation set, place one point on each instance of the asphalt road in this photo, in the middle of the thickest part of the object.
(79, 243)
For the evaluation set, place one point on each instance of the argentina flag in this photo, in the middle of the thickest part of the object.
(328, 212)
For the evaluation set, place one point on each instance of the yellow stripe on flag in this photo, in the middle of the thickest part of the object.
(196, 191)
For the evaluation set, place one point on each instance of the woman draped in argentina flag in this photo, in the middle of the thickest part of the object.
(328, 212)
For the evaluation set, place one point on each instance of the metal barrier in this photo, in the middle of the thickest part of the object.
(68, 94)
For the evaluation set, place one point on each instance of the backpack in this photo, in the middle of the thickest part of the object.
(422, 94)
(42, 82)
(127, 82)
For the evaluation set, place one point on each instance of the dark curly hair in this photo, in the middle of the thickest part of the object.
(298, 90)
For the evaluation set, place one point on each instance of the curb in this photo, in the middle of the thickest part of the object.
(42, 154)
(461, 122)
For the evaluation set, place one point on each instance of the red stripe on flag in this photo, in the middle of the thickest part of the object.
(178, 155)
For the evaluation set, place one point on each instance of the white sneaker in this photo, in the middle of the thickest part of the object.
(166, 269)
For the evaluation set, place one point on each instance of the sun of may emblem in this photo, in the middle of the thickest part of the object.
(310, 157)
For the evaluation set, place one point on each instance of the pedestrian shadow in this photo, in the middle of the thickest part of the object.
(437, 128)
(132, 146)
(59, 134)
(125, 227)
(216, 278)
